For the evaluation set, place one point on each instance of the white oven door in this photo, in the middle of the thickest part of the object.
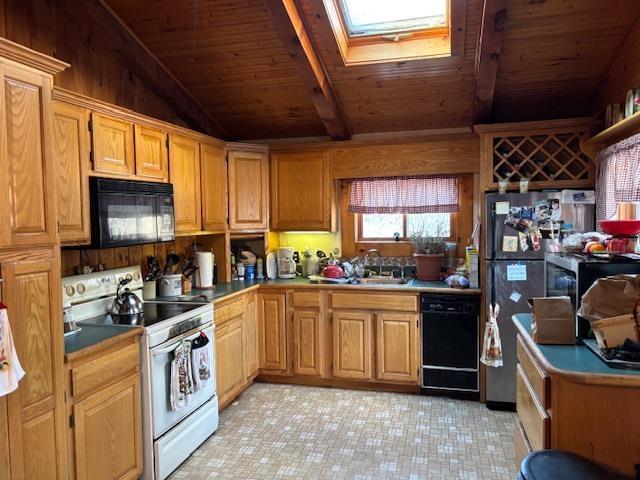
(161, 356)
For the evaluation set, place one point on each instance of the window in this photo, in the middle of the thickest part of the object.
(386, 226)
(374, 17)
(377, 31)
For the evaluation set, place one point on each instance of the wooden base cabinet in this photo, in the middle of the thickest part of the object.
(273, 332)
(352, 344)
(397, 346)
(231, 377)
(107, 433)
(251, 345)
(308, 342)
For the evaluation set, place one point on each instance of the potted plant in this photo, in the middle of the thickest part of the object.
(429, 252)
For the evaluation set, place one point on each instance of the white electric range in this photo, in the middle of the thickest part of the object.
(169, 436)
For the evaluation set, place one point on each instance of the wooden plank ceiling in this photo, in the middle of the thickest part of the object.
(228, 55)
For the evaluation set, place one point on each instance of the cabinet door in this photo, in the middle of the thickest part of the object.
(397, 350)
(184, 173)
(300, 192)
(273, 332)
(112, 145)
(108, 433)
(27, 171)
(306, 342)
(151, 153)
(351, 344)
(36, 409)
(71, 147)
(5, 470)
(252, 359)
(213, 166)
(248, 190)
(230, 370)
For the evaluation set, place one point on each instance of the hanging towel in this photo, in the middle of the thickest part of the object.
(181, 389)
(492, 347)
(200, 361)
(10, 370)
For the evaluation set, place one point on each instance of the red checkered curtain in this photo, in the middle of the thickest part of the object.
(415, 194)
(617, 176)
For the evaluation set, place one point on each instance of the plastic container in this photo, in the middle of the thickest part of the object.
(620, 228)
(249, 272)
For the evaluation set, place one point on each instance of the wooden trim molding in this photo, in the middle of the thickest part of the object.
(488, 56)
(25, 56)
(539, 125)
(293, 34)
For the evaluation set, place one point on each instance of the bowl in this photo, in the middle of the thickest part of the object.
(621, 228)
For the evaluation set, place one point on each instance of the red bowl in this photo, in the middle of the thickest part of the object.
(620, 228)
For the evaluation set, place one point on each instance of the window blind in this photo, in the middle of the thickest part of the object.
(409, 194)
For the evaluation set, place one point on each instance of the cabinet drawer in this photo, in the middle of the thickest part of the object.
(521, 444)
(536, 376)
(227, 311)
(306, 299)
(102, 370)
(375, 301)
(531, 414)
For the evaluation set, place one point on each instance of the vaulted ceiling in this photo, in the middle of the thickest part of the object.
(229, 55)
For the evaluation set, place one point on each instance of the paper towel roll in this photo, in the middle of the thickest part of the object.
(204, 260)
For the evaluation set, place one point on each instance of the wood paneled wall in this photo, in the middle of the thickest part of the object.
(96, 71)
(624, 72)
(137, 254)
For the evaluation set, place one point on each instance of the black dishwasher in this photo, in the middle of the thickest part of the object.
(450, 344)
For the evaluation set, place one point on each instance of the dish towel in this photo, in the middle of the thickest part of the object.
(201, 361)
(181, 389)
(492, 346)
(10, 370)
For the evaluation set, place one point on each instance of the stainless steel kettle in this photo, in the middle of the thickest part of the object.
(127, 307)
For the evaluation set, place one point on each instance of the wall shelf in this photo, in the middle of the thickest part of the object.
(611, 135)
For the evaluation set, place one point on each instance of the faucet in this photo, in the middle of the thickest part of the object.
(373, 250)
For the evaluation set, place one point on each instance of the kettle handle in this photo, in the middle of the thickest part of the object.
(121, 284)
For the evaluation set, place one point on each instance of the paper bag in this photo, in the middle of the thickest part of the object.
(553, 321)
(610, 297)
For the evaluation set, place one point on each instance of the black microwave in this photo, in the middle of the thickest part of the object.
(125, 212)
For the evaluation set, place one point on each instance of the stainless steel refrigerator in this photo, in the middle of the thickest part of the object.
(515, 276)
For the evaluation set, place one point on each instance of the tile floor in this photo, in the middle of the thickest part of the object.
(295, 432)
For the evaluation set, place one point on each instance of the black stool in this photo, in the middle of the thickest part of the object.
(557, 465)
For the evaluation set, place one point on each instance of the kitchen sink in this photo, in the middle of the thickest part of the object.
(381, 280)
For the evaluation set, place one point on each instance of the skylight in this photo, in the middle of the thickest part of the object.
(379, 17)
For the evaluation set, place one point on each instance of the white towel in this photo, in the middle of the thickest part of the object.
(181, 389)
(10, 370)
(201, 364)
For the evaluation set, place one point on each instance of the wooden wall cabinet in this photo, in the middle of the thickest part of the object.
(113, 145)
(35, 411)
(273, 332)
(397, 346)
(302, 192)
(151, 147)
(71, 147)
(27, 170)
(213, 168)
(248, 188)
(184, 173)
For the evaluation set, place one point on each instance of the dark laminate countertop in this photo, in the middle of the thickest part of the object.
(226, 290)
(92, 336)
(575, 361)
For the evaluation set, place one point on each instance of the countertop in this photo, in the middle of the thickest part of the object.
(225, 290)
(575, 361)
(92, 336)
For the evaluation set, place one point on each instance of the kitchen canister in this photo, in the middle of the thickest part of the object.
(149, 289)
(249, 272)
(170, 285)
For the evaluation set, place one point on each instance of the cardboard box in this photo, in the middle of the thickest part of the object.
(554, 321)
(612, 332)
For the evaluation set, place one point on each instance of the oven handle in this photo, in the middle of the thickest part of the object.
(173, 343)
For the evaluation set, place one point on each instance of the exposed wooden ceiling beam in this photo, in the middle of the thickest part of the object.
(140, 61)
(488, 57)
(293, 33)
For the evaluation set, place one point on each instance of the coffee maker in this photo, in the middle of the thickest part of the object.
(286, 265)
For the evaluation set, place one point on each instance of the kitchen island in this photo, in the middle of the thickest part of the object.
(568, 399)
